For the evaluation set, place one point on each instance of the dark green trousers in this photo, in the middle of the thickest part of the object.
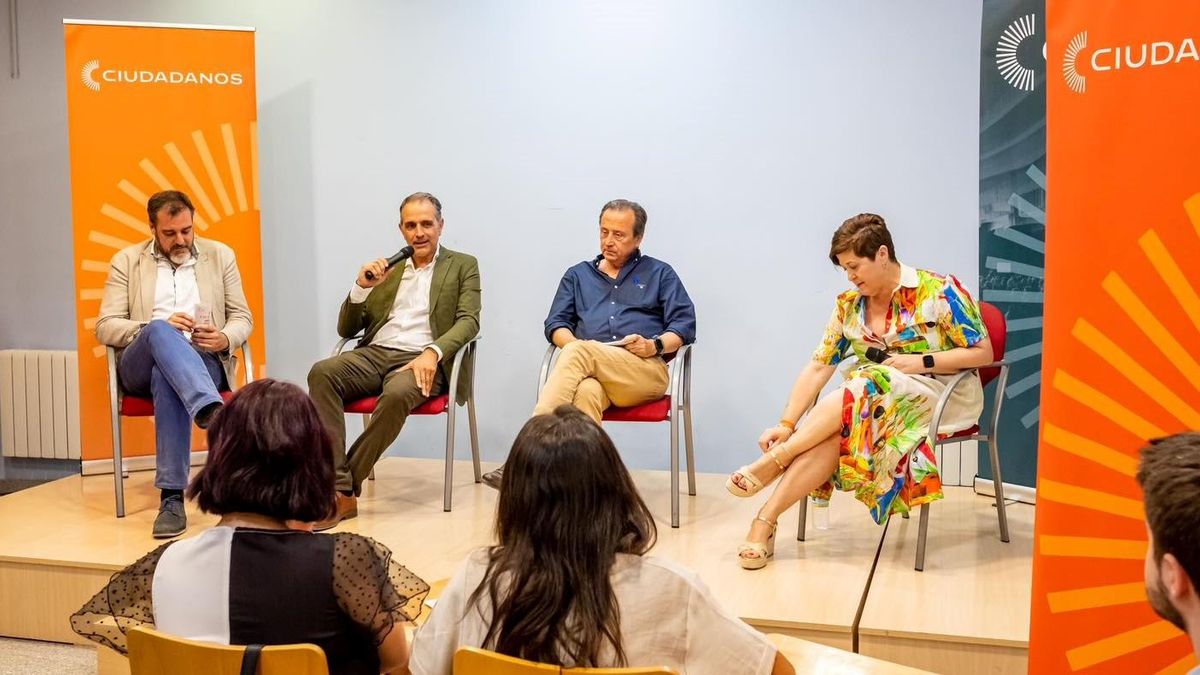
(359, 373)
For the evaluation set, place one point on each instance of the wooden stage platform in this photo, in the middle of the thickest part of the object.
(850, 586)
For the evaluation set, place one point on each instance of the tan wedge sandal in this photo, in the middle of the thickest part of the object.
(763, 552)
(756, 485)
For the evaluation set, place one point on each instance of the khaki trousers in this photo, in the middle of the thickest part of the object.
(362, 372)
(592, 376)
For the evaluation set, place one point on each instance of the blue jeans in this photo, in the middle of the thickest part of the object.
(162, 364)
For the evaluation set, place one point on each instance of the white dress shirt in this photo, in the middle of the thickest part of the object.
(668, 618)
(175, 289)
(407, 328)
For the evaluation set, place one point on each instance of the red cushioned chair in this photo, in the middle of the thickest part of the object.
(121, 405)
(997, 329)
(674, 407)
(436, 405)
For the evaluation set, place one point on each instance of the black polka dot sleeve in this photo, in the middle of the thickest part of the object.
(371, 587)
(123, 603)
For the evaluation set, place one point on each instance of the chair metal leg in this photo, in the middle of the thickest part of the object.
(994, 452)
(474, 438)
(366, 421)
(922, 531)
(448, 489)
(803, 519)
(998, 482)
(118, 463)
(114, 409)
(687, 440)
(674, 470)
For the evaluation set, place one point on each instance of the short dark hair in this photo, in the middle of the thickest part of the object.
(1169, 474)
(862, 235)
(268, 453)
(173, 201)
(639, 213)
(423, 197)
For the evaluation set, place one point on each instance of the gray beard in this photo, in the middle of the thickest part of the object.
(177, 257)
(180, 256)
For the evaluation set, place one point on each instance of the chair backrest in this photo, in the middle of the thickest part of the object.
(997, 328)
(641, 670)
(155, 653)
(473, 661)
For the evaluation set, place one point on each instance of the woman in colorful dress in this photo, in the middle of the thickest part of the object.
(869, 435)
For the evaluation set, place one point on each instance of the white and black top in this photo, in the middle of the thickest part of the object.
(342, 592)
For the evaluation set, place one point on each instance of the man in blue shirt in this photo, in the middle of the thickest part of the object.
(618, 318)
(1169, 475)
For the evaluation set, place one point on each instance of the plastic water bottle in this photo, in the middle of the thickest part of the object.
(820, 513)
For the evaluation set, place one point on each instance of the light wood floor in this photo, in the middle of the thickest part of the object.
(60, 541)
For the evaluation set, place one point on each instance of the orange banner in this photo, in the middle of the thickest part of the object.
(1122, 322)
(150, 108)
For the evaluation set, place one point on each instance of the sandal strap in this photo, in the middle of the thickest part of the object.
(752, 547)
(753, 480)
(773, 525)
(774, 456)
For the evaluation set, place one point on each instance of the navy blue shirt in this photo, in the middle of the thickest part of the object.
(647, 299)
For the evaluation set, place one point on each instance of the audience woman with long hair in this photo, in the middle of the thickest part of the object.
(569, 582)
(251, 579)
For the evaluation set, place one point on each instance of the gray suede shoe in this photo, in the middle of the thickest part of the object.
(171, 520)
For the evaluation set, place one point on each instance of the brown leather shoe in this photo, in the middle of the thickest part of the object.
(347, 507)
(493, 478)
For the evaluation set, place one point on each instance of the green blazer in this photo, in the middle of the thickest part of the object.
(454, 305)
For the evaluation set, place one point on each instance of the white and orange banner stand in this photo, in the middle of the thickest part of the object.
(156, 107)
(1122, 322)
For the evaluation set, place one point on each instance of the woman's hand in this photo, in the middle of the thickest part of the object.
(909, 364)
(772, 436)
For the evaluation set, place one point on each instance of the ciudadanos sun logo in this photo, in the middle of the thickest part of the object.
(1108, 60)
(88, 74)
(94, 76)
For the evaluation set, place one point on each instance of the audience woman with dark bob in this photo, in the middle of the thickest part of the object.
(569, 582)
(869, 435)
(250, 579)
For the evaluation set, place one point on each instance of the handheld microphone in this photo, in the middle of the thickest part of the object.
(877, 355)
(402, 254)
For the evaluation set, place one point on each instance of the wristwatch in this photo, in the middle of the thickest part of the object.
(658, 346)
(927, 359)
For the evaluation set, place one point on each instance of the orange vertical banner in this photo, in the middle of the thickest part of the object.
(1122, 321)
(154, 107)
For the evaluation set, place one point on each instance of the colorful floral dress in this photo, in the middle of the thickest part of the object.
(885, 456)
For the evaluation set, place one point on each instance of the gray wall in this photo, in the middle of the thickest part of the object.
(748, 130)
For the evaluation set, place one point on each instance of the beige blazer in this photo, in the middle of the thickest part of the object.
(129, 296)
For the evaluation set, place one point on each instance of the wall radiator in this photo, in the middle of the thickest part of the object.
(39, 404)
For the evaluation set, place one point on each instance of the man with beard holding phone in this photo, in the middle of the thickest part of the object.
(174, 308)
(1169, 474)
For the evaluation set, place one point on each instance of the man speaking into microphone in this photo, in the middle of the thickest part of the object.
(414, 316)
